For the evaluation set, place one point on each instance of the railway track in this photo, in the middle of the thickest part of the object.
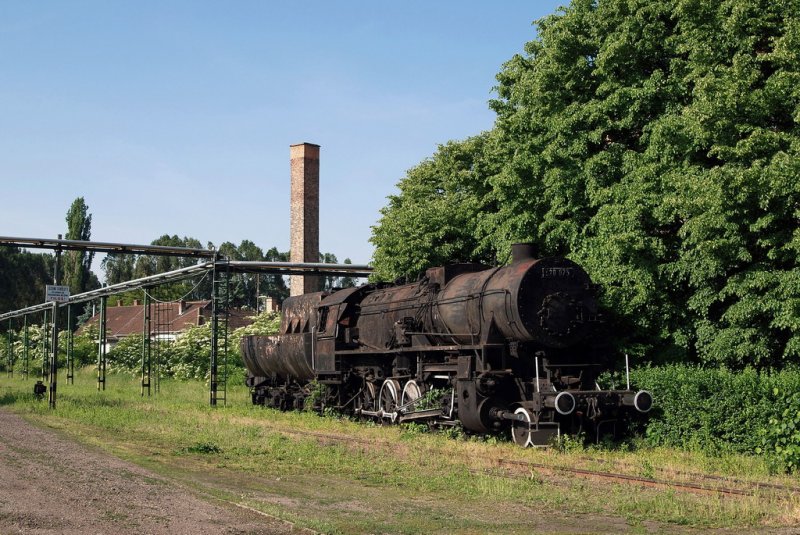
(693, 482)
(685, 486)
(723, 480)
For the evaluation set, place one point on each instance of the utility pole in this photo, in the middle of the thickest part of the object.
(54, 356)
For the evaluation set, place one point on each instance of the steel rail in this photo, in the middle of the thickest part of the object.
(627, 478)
(705, 477)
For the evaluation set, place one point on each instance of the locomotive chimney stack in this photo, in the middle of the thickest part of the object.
(523, 251)
(304, 209)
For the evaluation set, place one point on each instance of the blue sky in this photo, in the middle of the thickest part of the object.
(176, 117)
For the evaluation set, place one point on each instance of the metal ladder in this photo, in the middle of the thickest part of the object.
(162, 312)
(147, 345)
(220, 302)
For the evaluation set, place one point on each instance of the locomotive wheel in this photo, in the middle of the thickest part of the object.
(411, 392)
(366, 398)
(520, 430)
(390, 395)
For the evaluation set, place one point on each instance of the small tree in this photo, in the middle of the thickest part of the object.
(77, 264)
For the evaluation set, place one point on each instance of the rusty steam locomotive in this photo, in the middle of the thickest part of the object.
(501, 348)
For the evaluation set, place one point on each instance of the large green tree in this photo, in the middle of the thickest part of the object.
(247, 287)
(657, 144)
(118, 267)
(147, 265)
(274, 285)
(78, 264)
(435, 218)
(23, 277)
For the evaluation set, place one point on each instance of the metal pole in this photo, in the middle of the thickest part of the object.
(44, 345)
(10, 355)
(627, 372)
(25, 361)
(225, 348)
(156, 346)
(54, 342)
(101, 348)
(54, 358)
(70, 348)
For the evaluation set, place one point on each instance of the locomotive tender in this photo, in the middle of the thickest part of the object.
(512, 347)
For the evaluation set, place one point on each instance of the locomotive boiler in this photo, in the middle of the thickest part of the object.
(493, 348)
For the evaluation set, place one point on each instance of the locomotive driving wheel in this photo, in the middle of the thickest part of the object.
(366, 398)
(411, 392)
(390, 396)
(521, 429)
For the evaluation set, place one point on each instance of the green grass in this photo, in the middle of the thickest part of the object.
(385, 479)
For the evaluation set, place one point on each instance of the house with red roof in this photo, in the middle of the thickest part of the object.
(167, 320)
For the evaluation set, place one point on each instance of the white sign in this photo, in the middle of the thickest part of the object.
(57, 293)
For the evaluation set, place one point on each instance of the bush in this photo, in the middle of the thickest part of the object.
(84, 347)
(722, 411)
(36, 356)
(189, 356)
(781, 438)
(126, 355)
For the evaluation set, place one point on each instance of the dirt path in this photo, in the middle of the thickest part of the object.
(50, 484)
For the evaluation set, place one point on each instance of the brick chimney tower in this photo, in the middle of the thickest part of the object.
(304, 239)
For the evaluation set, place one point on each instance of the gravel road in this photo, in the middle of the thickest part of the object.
(51, 484)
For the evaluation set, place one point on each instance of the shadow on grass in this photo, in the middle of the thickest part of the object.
(10, 398)
(95, 401)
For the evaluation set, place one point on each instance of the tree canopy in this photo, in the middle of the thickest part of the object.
(655, 143)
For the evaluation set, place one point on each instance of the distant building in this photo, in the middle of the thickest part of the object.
(268, 304)
(167, 320)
